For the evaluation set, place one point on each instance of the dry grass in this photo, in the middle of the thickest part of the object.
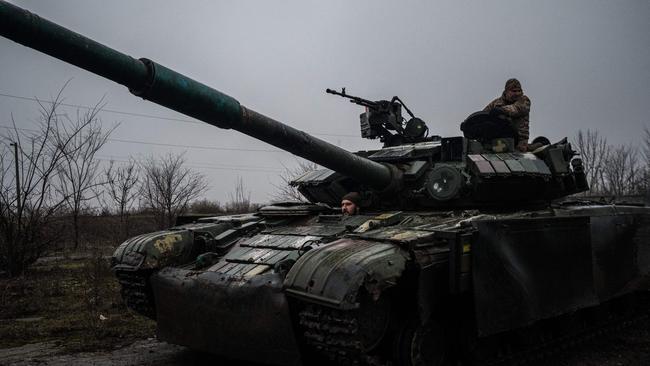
(62, 300)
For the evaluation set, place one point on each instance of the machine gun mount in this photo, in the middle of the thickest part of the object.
(383, 116)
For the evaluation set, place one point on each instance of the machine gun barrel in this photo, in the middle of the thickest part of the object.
(173, 90)
(353, 99)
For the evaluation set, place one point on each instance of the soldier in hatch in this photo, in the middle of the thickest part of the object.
(350, 203)
(514, 107)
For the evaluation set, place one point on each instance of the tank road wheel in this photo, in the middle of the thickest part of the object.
(345, 337)
(420, 345)
(373, 318)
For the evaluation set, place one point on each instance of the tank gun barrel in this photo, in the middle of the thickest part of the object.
(173, 90)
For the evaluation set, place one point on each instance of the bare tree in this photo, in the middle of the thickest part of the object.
(121, 191)
(285, 191)
(594, 151)
(646, 146)
(168, 186)
(29, 207)
(79, 141)
(645, 169)
(621, 171)
(240, 199)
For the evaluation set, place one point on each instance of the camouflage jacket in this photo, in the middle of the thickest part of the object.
(517, 113)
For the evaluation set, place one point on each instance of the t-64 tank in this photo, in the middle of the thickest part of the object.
(462, 246)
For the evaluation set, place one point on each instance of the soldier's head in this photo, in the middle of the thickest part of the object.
(512, 90)
(350, 203)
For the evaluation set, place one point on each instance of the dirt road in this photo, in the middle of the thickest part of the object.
(628, 347)
(141, 353)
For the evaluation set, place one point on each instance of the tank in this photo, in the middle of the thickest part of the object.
(463, 246)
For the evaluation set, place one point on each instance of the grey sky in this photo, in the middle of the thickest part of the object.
(584, 64)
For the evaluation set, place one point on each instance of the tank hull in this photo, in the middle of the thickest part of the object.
(526, 270)
(240, 318)
(516, 270)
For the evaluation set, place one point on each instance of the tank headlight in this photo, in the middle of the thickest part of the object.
(443, 182)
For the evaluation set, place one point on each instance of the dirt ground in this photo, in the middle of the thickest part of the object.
(143, 352)
(627, 347)
(71, 301)
(68, 311)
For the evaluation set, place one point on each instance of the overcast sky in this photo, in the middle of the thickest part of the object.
(584, 64)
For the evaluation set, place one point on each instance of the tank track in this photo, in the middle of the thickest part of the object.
(334, 335)
(136, 291)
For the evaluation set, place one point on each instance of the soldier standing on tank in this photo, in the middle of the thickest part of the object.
(514, 107)
(350, 203)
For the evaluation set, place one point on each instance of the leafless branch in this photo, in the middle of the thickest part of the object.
(285, 191)
(79, 141)
(167, 187)
(27, 214)
(120, 189)
(621, 172)
(594, 151)
(240, 199)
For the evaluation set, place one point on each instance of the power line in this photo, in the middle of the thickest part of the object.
(193, 146)
(102, 109)
(169, 145)
(143, 115)
(223, 166)
(202, 166)
(126, 158)
(207, 166)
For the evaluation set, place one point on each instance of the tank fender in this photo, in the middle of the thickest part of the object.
(333, 274)
(169, 247)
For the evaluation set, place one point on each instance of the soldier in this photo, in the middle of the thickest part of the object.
(514, 107)
(350, 203)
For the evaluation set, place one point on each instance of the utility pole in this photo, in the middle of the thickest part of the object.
(15, 145)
